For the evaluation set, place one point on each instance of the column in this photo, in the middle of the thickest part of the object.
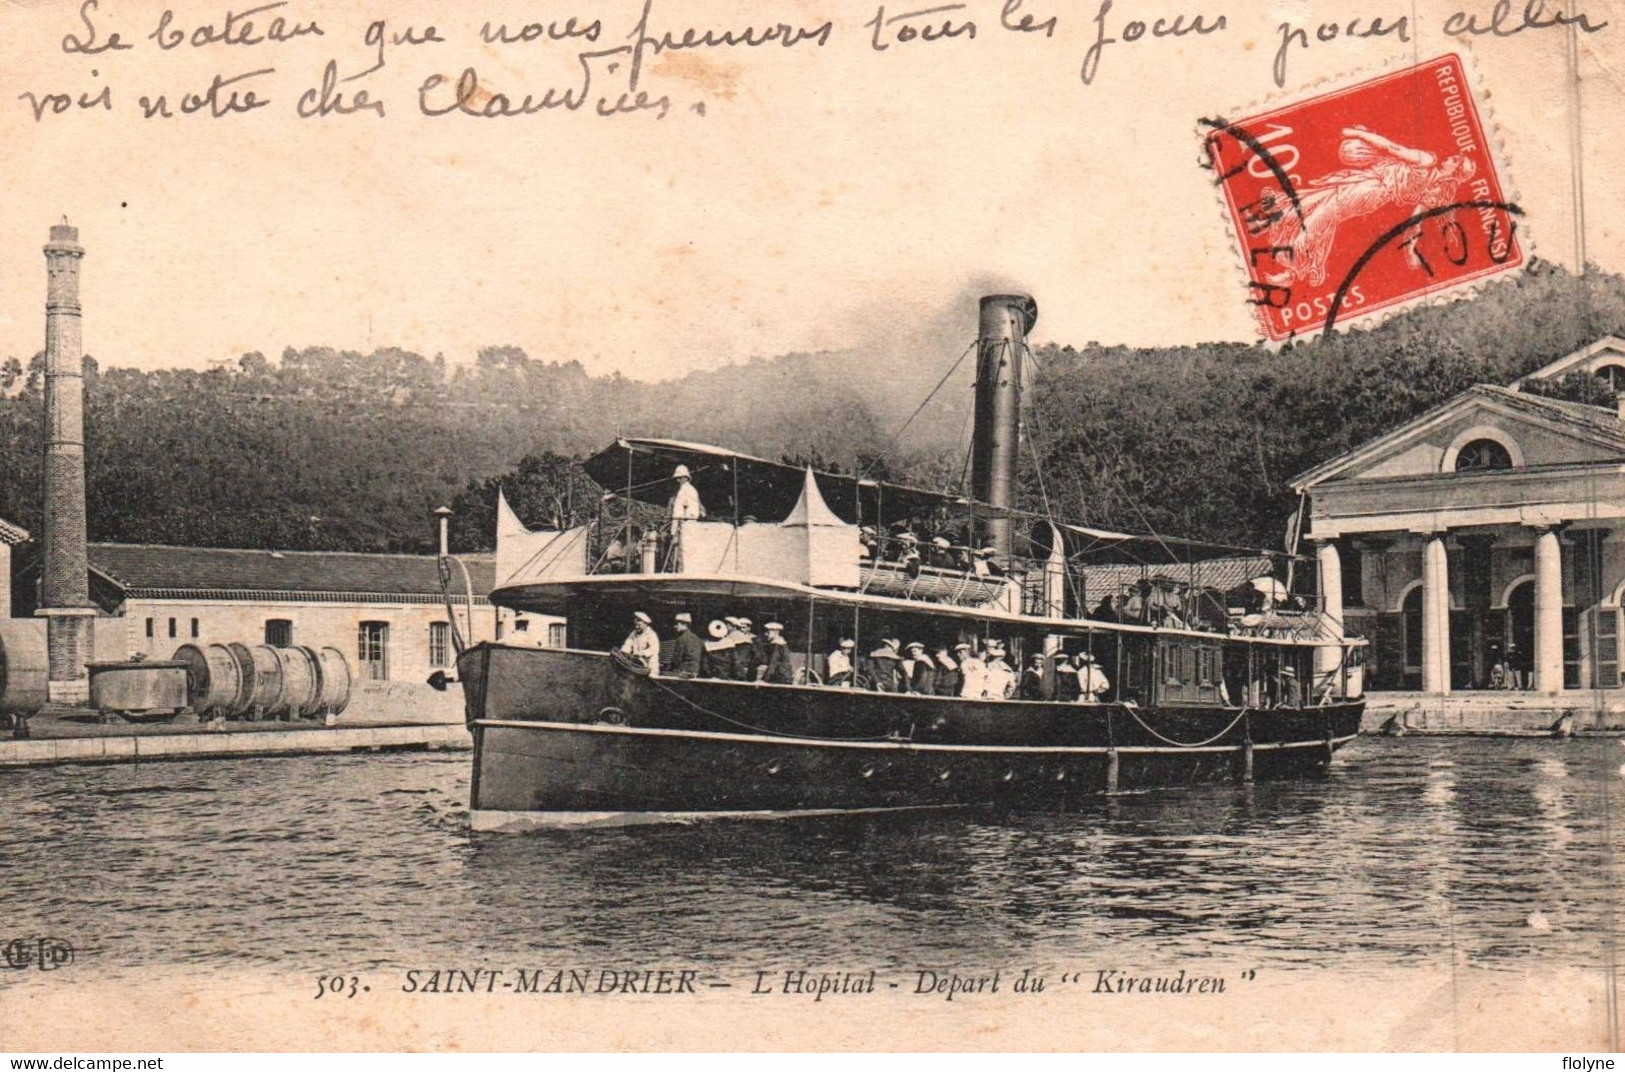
(1435, 616)
(1548, 612)
(1329, 574)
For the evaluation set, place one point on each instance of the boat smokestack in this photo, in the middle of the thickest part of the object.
(64, 579)
(995, 449)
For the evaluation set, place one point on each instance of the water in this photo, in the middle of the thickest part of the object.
(1490, 853)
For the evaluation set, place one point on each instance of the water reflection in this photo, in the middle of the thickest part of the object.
(1408, 852)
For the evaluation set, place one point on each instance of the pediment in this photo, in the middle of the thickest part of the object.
(1606, 351)
(1534, 431)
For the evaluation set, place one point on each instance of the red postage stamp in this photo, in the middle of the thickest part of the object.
(1364, 199)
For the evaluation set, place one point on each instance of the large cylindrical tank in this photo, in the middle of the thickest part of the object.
(214, 680)
(246, 679)
(334, 675)
(24, 665)
(267, 696)
(301, 692)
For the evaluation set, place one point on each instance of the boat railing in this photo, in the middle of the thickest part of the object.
(1237, 596)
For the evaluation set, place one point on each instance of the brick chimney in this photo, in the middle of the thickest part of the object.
(64, 579)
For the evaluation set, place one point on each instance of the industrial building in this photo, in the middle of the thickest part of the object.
(384, 612)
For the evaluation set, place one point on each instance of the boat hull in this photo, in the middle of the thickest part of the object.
(564, 738)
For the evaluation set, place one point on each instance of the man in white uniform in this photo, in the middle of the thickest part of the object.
(643, 644)
(685, 502)
(838, 667)
(998, 680)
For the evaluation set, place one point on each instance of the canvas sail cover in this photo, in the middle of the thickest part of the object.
(525, 555)
(812, 545)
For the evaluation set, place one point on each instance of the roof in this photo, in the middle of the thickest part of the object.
(1609, 348)
(1598, 424)
(149, 568)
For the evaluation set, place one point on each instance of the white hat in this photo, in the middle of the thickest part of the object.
(642, 617)
(680, 473)
(988, 551)
(774, 627)
(962, 646)
(732, 621)
(685, 617)
(908, 537)
(848, 642)
(995, 647)
(941, 541)
(743, 623)
(916, 646)
(1085, 657)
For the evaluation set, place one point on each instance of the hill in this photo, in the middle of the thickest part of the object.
(325, 449)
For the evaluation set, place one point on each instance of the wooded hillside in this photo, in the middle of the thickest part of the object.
(326, 449)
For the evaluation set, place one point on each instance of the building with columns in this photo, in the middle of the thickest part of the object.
(1492, 524)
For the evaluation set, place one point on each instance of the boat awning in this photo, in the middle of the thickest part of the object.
(758, 488)
(1091, 546)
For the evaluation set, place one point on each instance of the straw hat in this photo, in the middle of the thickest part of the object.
(642, 617)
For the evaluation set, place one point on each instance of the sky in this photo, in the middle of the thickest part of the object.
(827, 196)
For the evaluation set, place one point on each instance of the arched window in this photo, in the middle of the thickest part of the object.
(1611, 376)
(1481, 456)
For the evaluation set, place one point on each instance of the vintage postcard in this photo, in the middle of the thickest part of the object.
(832, 525)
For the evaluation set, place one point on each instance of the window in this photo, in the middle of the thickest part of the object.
(1611, 376)
(557, 637)
(521, 625)
(152, 629)
(172, 633)
(1482, 456)
(439, 643)
(372, 644)
(194, 629)
(279, 633)
(1606, 662)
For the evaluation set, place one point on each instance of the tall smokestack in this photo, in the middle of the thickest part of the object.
(995, 450)
(64, 580)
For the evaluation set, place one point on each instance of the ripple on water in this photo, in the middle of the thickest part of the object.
(1409, 851)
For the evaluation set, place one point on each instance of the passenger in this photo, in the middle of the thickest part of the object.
(685, 502)
(688, 651)
(985, 566)
(915, 671)
(838, 667)
(947, 672)
(869, 542)
(1106, 609)
(998, 679)
(744, 653)
(777, 670)
(1092, 682)
(972, 669)
(883, 667)
(908, 554)
(1032, 678)
(1066, 679)
(642, 645)
(719, 649)
(942, 553)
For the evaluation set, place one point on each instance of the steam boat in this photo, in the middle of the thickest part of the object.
(1195, 662)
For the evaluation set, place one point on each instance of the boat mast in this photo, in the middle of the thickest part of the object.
(996, 444)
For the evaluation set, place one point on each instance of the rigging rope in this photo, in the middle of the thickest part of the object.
(1182, 744)
(655, 681)
(892, 442)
